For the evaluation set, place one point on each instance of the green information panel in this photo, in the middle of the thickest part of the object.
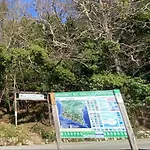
(92, 114)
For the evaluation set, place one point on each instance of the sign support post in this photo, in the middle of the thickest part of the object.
(56, 121)
(15, 101)
(49, 110)
(131, 136)
(15, 106)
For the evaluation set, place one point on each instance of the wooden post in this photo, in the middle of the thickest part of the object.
(56, 121)
(15, 105)
(131, 136)
(49, 110)
(15, 101)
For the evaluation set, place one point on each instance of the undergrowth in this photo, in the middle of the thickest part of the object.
(10, 135)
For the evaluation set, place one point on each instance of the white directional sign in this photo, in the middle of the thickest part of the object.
(30, 96)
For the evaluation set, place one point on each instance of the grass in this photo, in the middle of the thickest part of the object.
(10, 135)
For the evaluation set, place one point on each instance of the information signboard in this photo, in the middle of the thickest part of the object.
(31, 96)
(92, 114)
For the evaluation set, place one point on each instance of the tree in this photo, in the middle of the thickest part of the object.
(111, 21)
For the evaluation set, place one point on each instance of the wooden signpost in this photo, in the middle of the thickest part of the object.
(15, 107)
(31, 96)
(56, 121)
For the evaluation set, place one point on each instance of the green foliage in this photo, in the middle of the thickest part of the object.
(65, 75)
(107, 81)
(135, 90)
(45, 54)
(62, 79)
(111, 46)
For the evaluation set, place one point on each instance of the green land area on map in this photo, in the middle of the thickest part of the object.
(72, 109)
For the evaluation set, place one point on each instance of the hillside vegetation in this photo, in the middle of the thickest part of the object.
(76, 45)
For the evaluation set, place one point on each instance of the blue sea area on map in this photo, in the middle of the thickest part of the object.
(110, 119)
(68, 123)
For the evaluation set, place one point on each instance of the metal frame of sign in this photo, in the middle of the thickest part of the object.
(31, 96)
(119, 100)
(131, 136)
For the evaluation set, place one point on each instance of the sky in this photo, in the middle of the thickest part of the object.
(24, 3)
(30, 7)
